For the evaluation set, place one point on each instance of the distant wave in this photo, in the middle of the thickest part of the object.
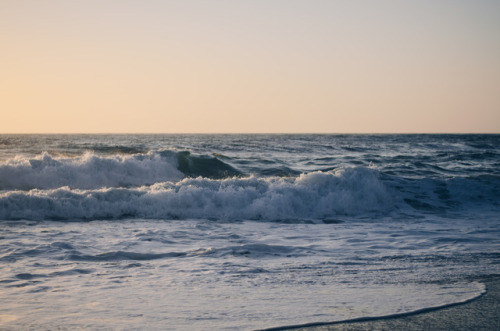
(317, 195)
(91, 171)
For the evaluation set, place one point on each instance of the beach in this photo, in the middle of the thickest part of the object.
(482, 313)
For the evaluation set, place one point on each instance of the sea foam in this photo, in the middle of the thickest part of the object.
(317, 195)
(88, 171)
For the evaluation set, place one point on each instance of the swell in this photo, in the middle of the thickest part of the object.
(477, 194)
(204, 166)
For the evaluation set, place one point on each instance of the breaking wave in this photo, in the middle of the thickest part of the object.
(168, 184)
(91, 171)
(317, 195)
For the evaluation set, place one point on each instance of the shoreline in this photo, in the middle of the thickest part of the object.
(479, 313)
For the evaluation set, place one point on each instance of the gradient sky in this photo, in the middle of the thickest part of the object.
(124, 66)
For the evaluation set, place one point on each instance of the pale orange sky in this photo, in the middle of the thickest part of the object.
(253, 66)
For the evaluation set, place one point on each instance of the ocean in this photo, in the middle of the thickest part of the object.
(242, 232)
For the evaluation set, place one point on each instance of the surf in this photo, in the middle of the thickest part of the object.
(317, 195)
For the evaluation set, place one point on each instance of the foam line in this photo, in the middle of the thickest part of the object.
(378, 318)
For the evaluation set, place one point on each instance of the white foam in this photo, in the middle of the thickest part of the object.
(351, 191)
(88, 171)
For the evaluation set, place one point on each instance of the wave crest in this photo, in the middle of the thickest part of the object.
(91, 171)
(318, 195)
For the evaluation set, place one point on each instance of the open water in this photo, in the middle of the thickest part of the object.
(242, 231)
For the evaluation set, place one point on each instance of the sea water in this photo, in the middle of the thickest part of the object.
(242, 231)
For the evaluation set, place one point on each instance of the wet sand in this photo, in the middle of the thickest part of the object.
(482, 313)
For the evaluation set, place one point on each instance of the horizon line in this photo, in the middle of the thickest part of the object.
(244, 133)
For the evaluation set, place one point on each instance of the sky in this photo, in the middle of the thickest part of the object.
(250, 66)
